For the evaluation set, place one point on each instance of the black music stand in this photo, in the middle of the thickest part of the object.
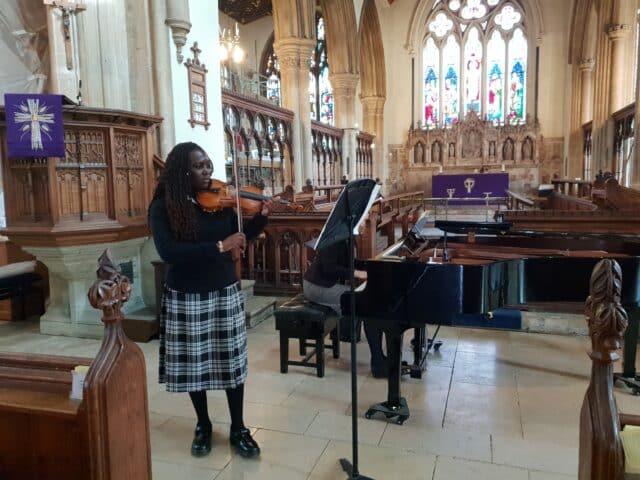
(348, 213)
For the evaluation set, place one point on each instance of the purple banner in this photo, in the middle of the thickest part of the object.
(34, 125)
(473, 185)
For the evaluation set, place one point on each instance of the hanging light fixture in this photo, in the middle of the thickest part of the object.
(229, 47)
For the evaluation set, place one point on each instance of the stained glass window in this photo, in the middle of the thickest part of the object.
(320, 91)
(451, 93)
(474, 57)
(431, 85)
(312, 96)
(495, 77)
(270, 84)
(517, 69)
(472, 72)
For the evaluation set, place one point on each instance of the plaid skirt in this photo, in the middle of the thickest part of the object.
(203, 340)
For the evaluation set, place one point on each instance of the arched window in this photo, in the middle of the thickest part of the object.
(320, 91)
(474, 57)
(270, 73)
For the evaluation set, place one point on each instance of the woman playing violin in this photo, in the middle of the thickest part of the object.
(203, 344)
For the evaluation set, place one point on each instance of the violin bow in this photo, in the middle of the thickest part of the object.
(234, 159)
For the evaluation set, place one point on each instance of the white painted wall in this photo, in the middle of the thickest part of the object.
(204, 30)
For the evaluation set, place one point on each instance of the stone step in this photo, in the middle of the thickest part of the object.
(141, 325)
(247, 287)
(257, 309)
(559, 323)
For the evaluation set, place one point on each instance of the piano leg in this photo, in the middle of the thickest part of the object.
(395, 406)
(419, 347)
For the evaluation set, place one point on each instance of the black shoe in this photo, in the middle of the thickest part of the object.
(243, 443)
(201, 444)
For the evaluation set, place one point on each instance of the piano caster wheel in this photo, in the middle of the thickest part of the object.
(400, 420)
(437, 346)
(369, 414)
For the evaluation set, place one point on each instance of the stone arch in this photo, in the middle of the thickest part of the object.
(583, 31)
(373, 82)
(340, 30)
(294, 19)
(373, 76)
(417, 26)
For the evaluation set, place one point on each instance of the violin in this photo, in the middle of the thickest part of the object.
(220, 195)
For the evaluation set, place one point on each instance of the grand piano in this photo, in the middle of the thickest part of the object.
(474, 268)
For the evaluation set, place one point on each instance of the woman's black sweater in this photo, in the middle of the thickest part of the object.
(198, 266)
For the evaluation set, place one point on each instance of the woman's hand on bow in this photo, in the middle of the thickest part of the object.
(237, 240)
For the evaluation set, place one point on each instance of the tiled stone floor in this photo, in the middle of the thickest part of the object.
(493, 405)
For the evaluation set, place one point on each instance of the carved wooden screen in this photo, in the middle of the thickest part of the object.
(197, 89)
(82, 175)
(364, 155)
(326, 154)
(260, 136)
(129, 152)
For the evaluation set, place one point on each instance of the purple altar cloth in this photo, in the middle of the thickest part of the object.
(470, 186)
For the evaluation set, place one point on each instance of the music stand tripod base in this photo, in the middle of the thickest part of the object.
(347, 467)
(399, 411)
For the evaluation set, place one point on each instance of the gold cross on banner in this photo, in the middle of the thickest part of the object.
(67, 8)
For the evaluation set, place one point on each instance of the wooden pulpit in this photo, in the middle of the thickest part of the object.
(98, 192)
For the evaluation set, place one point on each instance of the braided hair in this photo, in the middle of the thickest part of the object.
(175, 186)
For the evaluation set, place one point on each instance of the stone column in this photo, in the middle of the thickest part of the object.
(616, 33)
(373, 122)
(293, 55)
(344, 95)
(162, 75)
(586, 76)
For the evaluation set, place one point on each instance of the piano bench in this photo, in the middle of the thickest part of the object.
(299, 318)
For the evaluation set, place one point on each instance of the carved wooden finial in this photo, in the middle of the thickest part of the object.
(606, 318)
(601, 453)
(110, 291)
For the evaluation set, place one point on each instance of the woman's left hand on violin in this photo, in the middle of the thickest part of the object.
(266, 206)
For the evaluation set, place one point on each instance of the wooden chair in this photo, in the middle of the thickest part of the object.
(46, 435)
(602, 455)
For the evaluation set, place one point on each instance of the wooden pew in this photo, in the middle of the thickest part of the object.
(601, 449)
(612, 209)
(46, 435)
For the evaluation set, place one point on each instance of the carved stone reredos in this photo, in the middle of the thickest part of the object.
(606, 318)
(476, 141)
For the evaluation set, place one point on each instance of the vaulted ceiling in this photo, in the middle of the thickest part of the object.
(245, 11)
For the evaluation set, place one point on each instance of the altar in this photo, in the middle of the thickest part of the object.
(470, 186)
